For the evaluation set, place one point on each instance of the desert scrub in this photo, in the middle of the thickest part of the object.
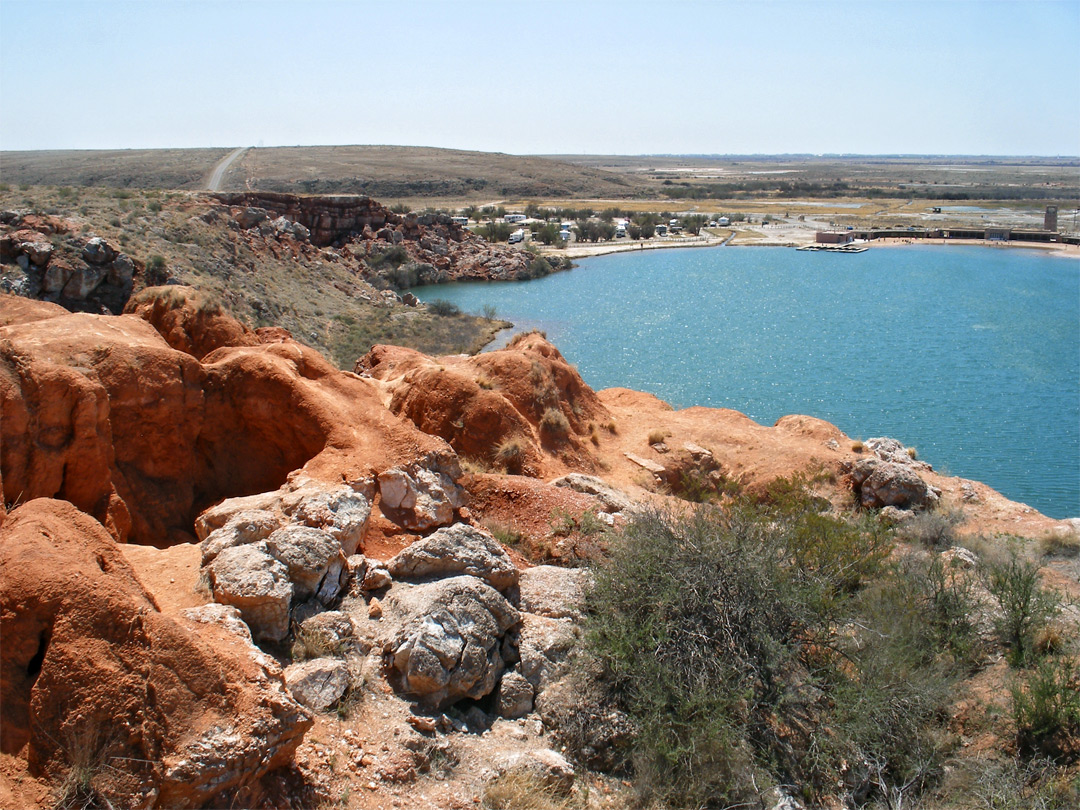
(658, 436)
(562, 523)
(1024, 606)
(312, 643)
(507, 535)
(443, 308)
(510, 454)
(554, 425)
(1061, 544)
(722, 634)
(1047, 711)
(523, 790)
(934, 528)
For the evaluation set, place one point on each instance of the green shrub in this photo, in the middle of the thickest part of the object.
(591, 524)
(156, 271)
(990, 783)
(392, 256)
(506, 535)
(933, 529)
(1024, 606)
(443, 308)
(1047, 711)
(772, 642)
(691, 628)
(562, 523)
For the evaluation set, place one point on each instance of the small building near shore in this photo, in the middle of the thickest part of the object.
(834, 237)
(1050, 218)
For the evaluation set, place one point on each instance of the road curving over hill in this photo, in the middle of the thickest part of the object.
(214, 183)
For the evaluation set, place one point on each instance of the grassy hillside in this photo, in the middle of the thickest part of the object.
(321, 296)
(112, 168)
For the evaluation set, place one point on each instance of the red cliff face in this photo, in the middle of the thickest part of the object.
(103, 412)
(93, 673)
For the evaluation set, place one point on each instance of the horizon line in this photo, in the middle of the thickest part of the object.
(705, 155)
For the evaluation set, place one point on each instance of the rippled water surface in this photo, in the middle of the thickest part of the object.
(970, 354)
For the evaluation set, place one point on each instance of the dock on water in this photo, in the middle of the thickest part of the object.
(836, 248)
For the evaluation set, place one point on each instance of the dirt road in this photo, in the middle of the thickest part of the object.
(219, 171)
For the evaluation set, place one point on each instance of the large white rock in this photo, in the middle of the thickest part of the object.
(341, 511)
(250, 579)
(219, 514)
(548, 590)
(423, 494)
(319, 683)
(314, 559)
(245, 527)
(448, 638)
(886, 483)
(544, 647)
(514, 697)
(457, 549)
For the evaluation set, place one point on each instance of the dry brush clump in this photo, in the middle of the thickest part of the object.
(779, 643)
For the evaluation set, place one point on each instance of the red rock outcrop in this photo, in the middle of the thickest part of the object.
(160, 712)
(189, 321)
(526, 394)
(102, 412)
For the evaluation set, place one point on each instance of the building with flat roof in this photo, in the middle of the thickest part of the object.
(1050, 218)
(834, 237)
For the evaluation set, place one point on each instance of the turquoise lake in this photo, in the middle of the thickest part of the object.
(970, 354)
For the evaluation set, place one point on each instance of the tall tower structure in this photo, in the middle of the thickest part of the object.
(1050, 220)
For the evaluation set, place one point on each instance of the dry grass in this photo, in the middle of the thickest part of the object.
(1065, 544)
(510, 454)
(554, 424)
(658, 436)
(520, 790)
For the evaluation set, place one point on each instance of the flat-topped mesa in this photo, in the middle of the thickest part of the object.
(333, 219)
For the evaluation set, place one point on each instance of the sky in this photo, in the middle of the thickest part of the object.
(555, 77)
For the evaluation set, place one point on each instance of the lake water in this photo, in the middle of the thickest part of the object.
(970, 354)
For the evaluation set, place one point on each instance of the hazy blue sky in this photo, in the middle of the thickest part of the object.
(950, 76)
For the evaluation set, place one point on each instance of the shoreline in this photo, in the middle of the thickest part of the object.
(613, 246)
(1059, 248)
(588, 252)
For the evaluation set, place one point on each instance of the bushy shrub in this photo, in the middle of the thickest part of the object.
(554, 424)
(507, 535)
(156, 271)
(1047, 711)
(935, 528)
(1025, 607)
(444, 308)
(510, 455)
(773, 643)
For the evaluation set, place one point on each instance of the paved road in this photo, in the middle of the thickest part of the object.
(221, 168)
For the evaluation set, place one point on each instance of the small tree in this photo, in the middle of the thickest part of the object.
(156, 271)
